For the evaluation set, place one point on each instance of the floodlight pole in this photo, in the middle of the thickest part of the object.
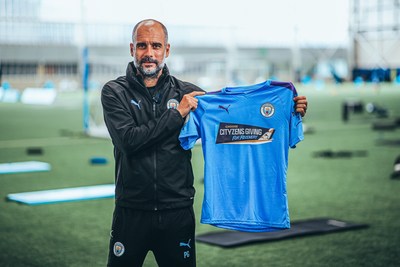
(85, 83)
(84, 66)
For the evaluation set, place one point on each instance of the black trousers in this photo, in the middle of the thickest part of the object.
(169, 234)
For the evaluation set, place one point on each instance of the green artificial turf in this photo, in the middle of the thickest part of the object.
(357, 189)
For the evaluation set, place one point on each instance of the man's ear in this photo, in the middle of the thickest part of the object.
(167, 50)
(132, 49)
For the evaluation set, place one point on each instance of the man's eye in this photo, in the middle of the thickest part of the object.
(141, 46)
(157, 46)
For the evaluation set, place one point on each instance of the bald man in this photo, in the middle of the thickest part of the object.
(144, 113)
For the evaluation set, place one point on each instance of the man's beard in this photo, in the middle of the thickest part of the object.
(149, 73)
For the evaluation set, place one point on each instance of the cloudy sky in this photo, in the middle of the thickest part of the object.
(310, 22)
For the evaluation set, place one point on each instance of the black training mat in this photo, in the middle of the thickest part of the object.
(228, 238)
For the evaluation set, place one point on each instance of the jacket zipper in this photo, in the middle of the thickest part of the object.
(155, 164)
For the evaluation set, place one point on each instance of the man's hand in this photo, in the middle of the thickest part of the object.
(301, 105)
(188, 103)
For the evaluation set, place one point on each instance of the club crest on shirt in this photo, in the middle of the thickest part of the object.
(172, 103)
(267, 110)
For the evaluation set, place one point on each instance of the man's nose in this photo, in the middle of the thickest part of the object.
(149, 51)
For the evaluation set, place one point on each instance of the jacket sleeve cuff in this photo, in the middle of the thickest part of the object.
(177, 117)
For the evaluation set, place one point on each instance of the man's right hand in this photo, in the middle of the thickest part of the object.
(188, 103)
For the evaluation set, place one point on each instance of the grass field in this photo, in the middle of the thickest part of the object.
(357, 189)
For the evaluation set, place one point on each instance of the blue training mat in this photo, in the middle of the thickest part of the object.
(64, 195)
(25, 166)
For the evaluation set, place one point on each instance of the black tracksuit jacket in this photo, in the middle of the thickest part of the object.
(152, 171)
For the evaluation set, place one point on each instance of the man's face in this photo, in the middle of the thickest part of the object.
(149, 50)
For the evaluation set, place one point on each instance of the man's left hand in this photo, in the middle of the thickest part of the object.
(301, 105)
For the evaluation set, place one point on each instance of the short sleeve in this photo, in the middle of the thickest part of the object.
(296, 128)
(190, 131)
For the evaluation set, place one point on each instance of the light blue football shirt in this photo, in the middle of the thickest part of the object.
(246, 133)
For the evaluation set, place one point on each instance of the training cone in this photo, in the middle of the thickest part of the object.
(98, 161)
